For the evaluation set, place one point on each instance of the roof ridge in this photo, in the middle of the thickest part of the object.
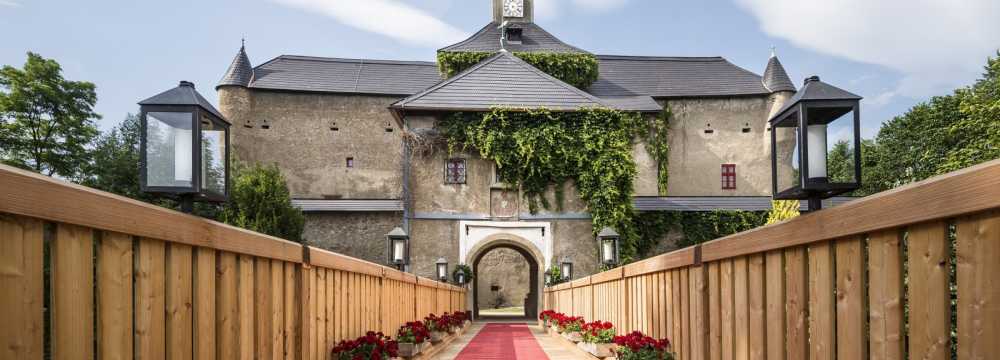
(556, 80)
(352, 60)
(450, 80)
(470, 38)
(661, 58)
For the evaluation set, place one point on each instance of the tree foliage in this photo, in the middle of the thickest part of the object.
(696, 226)
(538, 149)
(46, 121)
(577, 69)
(782, 210)
(259, 200)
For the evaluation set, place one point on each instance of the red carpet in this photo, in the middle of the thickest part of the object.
(503, 341)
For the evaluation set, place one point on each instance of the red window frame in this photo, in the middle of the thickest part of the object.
(728, 176)
(454, 171)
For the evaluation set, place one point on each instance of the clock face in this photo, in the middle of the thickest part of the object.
(513, 8)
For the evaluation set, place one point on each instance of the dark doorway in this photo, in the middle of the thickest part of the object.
(492, 293)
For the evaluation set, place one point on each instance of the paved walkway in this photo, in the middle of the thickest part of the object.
(507, 340)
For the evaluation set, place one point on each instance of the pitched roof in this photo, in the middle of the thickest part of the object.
(361, 76)
(673, 77)
(500, 80)
(240, 72)
(814, 89)
(775, 78)
(533, 39)
(633, 103)
(183, 94)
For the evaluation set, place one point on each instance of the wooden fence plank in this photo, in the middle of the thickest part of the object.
(757, 336)
(180, 343)
(227, 308)
(204, 304)
(822, 312)
(978, 248)
(319, 312)
(741, 309)
(245, 304)
(686, 328)
(304, 287)
(699, 310)
(726, 309)
(796, 302)
(775, 304)
(114, 299)
(714, 312)
(150, 283)
(21, 251)
(291, 311)
(930, 311)
(851, 332)
(72, 293)
(885, 283)
(277, 309)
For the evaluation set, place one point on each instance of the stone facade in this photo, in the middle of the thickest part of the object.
(503, 279)
(358, 234)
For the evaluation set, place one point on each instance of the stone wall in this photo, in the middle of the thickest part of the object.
(311, 136)
(507, 271)
(356, 234)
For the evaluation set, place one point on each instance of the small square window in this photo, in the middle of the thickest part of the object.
(454, 171)
(728, 176)
(350, 162)
(514, 35)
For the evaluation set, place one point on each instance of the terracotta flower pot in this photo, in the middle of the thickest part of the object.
(598, 350)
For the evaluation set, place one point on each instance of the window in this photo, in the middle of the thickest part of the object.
(514, 35)
(350, 162)
(496, 174)
(454, 171)
(728, 176)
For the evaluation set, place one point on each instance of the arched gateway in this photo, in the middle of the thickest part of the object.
(533, 240)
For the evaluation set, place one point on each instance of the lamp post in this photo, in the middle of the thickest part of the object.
(607, 239)
(184, 147)
(442, 269)
(460, 278)
(811, 117)
(566, 269)
(399, 248)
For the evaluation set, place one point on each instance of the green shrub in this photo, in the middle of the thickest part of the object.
(259, 200)
(577, 69)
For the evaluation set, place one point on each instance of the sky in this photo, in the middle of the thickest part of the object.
(894, 53)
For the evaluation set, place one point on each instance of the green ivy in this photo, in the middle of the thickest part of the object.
(577, 69)
(697, 226)
(540, 149)
(658, 146)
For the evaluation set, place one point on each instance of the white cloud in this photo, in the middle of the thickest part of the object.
(10, 3)
(599, 5)
(391, 18)
(936, 45)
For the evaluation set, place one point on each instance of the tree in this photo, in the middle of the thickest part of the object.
(115, 160)
(46, 121)
(259, 200)
(976, 136)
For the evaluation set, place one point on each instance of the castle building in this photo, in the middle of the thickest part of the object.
(337, 128)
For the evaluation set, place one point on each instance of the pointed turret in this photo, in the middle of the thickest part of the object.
(775, 78)
(240, 71)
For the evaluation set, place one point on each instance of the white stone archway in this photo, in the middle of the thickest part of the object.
(475, 234)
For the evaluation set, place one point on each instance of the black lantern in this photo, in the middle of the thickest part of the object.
(607, 239)
(460, 278)
(816, 144)
(399, 248)
(566, 269)
(184, 146)
(442, 269)
(548, 278)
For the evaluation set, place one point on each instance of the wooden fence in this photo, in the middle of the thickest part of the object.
(873, 278)
(87, 274)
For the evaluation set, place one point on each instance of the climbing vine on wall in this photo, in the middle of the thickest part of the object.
(540, 149)
(577, 69)
(658, 147)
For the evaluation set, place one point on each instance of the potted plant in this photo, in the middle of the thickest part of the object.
(545, 317)
(437, 328)
(554, 323)
(371, 346)
(636, 346)
(570, 327)
(598, 338)
(411, 338)
(462, 274)
(468, 318)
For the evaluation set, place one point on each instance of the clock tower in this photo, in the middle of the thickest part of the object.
(513, 10)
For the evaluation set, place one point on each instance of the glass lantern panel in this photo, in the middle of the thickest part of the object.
(831, 144)
(398, 250)
(608, 250)
(213, 156)
(169, 149)
(787, 149)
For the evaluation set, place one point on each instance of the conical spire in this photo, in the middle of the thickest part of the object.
(775, 78)
(240, 71)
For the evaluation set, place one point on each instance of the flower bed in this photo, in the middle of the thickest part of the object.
(598, 338)
(412, 338)
(437, 326)
(371, 346)
(637, 346)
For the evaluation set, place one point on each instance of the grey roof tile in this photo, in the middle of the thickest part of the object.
(240, 72)
(501, 80)
(814, 89)
(361, 76)
(633, 103)
(183, 94)
(662, 77)
(534, 39)
(775, 78)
